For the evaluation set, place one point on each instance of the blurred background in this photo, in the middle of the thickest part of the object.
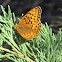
(51, 10)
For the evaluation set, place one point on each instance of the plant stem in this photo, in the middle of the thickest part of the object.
(1, 48)
(16, 51)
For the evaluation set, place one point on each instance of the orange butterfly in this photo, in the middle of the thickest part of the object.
(30, 24)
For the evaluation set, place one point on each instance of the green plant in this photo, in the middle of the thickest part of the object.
(47, 47)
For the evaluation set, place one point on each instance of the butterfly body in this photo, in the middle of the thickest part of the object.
(30, 24)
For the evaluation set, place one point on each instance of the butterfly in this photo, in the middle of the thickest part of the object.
(30, 25)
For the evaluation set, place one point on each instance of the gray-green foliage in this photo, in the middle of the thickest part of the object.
(47, 47)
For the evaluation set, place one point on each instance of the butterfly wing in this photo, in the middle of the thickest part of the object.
(32, 19)
(30, 24)
(25, 33)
